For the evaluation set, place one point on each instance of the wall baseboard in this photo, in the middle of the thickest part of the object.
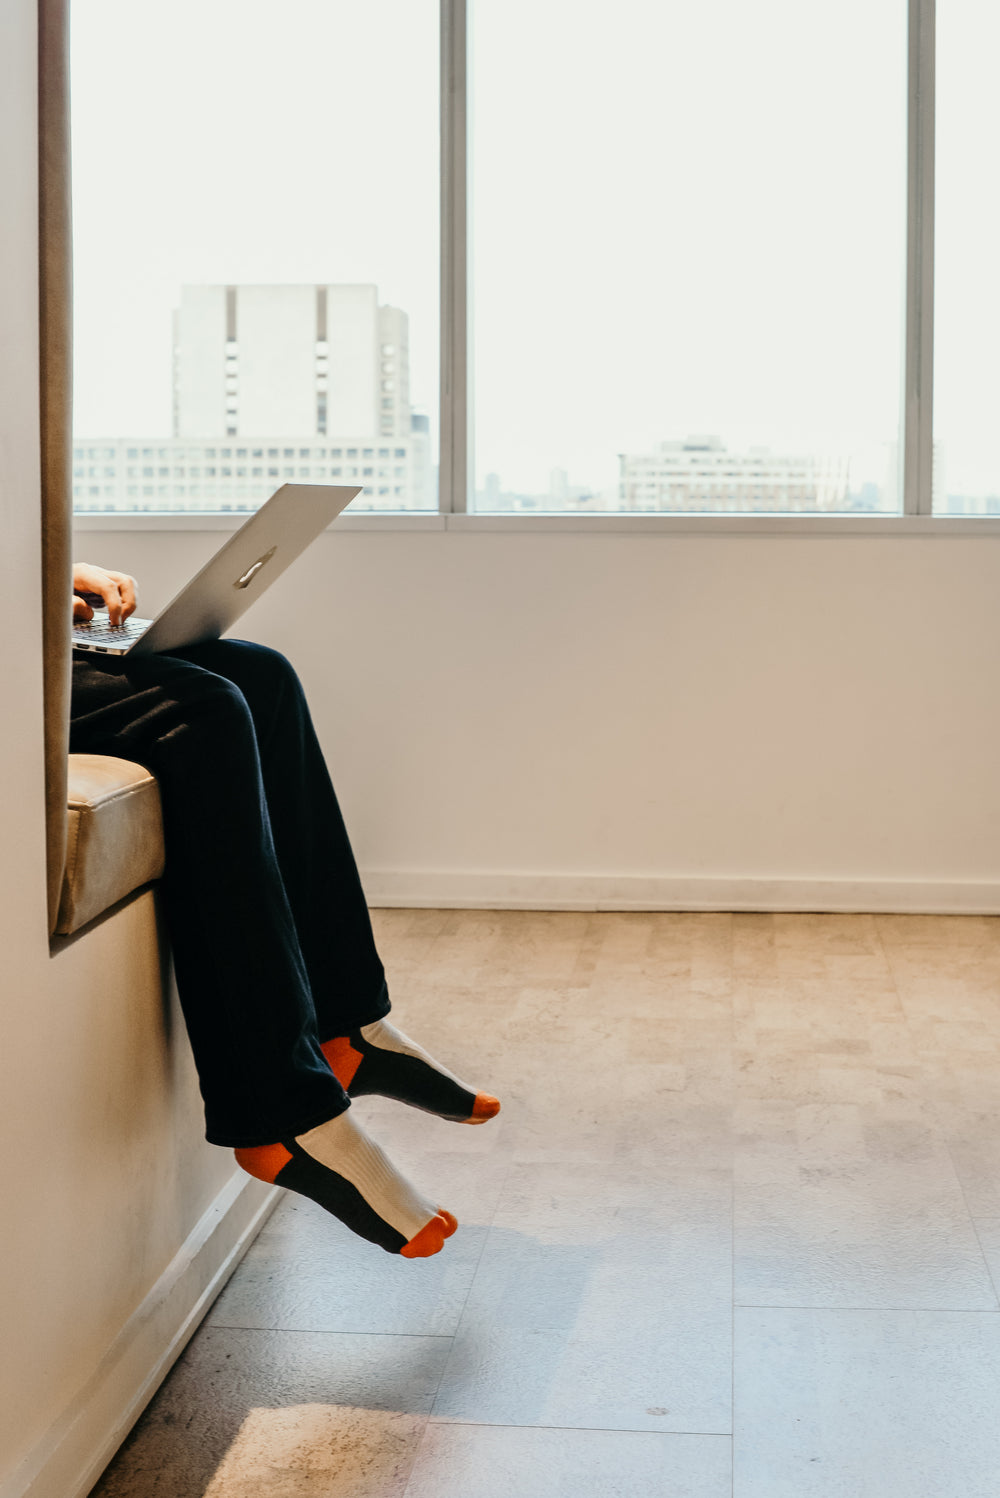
(499, 891)
(78, 1446)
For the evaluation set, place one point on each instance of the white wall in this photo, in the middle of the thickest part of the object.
(105, 1179)
(615, 720)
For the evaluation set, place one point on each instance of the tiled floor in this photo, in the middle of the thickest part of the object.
(736, 1232)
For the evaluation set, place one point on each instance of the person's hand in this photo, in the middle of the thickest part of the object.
(116, 588)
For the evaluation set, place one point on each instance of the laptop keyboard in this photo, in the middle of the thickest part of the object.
(101, 632)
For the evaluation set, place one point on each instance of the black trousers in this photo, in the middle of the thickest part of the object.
(272, 942)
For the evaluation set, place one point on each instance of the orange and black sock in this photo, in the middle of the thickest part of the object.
(341, 1168)
(380, 1059)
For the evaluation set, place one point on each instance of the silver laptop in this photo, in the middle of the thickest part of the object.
(228, 584)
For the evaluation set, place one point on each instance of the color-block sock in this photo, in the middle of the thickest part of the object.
(380, 1059)
(341, 1168)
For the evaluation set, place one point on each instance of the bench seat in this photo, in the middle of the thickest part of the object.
(114, 836)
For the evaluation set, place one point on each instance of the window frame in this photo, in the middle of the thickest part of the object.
(456, 467)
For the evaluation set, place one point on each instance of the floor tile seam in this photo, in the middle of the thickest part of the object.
(972, 1219)
(945, 1139)
(901, 999)
(472, 1281)
(612, 1430)
(994, 1279)
(316, 1331)
(943, 1134)
(414, 1452)
(874, 1310)
(609, 1430)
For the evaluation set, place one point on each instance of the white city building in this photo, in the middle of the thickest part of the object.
(272, 383)
(177, 473)
(700, 474)
(290, 361)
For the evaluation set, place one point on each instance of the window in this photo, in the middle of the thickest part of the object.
(725, 301)
(699, 264)
(184, 339)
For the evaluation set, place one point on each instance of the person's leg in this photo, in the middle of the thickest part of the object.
(366, 1052)
(240, 975)
(313, 850)
(269, 1091)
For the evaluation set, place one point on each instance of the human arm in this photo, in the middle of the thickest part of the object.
(116, 588)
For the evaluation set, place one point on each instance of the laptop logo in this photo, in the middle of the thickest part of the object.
(251, 572)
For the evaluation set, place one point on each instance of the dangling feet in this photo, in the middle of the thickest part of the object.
(380, 1059)
(338, 1166)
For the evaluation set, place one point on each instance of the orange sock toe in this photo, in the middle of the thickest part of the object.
(451, 1223)
(380, 1059)
(484, 1107)
(430, 1239)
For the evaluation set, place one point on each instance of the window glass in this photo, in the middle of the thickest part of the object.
(966, 471)
(688, 248)
(198, 316)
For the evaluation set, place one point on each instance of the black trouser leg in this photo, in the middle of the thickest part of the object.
(241, 975)
(313, 849)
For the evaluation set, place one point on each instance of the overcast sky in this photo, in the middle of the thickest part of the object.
(686, 217)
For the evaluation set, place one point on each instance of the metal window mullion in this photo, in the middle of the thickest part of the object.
(455, 466)
(918, 425)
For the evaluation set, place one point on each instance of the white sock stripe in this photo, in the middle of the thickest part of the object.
(387, 1038)
(343, 1146)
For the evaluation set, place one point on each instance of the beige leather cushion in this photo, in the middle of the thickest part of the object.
(115, 836)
